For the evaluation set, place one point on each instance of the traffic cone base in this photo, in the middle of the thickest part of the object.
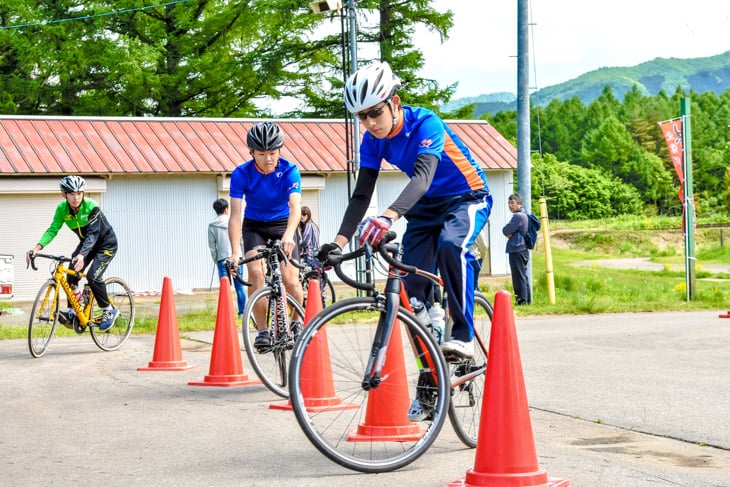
(316, 405)
(167, 355)
(225, 381)
(226, 366)
(163, 366)
(408, 432)
(506, 457)
(483, 480)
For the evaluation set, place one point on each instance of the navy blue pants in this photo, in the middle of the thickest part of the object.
(240, 289)
(437, 238)
(518, 267)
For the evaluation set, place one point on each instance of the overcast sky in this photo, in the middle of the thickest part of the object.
(568, 38)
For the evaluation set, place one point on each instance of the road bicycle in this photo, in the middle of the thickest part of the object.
(283, 315)
(382, 357)
(44, 314)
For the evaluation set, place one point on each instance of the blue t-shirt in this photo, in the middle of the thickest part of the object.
(267, 195)
(423, 131)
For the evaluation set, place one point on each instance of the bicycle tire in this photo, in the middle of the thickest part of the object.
(43, 318)
(328, 292)
(341, 429)
(121, 297)
(271, 367)
(467, 396)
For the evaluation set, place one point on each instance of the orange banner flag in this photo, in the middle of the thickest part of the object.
(672, 131)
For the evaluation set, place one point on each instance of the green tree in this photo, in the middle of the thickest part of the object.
(213, 58)
(611, 148)
(560, 127)
(726, 192)
(386, 27)
(577, 193)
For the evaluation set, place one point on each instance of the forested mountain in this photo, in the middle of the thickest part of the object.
(608, 157)
(697, 74)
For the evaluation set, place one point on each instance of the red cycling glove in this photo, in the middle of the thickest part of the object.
(373, 228)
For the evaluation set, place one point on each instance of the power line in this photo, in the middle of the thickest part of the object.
(94, 16)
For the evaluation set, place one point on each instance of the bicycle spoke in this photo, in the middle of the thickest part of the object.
(122, 299)
(468, 377)
(272, 365)
(43, 319)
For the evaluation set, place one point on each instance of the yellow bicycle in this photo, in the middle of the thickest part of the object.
(44, 315)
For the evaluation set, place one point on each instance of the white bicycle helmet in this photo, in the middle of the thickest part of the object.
(369, 86)
(72, 184)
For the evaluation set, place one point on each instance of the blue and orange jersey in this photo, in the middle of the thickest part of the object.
(267, 195)
(422, 131)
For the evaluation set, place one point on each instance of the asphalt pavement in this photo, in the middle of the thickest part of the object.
(630, 400)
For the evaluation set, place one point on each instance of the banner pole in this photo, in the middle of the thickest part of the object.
(689, 213)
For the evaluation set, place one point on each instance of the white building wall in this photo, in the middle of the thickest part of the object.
(501, 186)
(162, 226)
(162, 222)
(24, 219)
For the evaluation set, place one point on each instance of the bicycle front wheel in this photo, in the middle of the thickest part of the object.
(271, 365)
(43, 319)
(468, 377)
(120, 295)
(367, 431)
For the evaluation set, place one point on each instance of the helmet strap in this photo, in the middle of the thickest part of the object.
(394, 112)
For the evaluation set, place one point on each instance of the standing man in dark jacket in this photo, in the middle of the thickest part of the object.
(519, 255)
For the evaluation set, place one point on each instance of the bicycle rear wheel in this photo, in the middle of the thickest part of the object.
(43, 318)
(468, 377)
(328, 291)
(271, 367)
(120, 295)
(367, 431)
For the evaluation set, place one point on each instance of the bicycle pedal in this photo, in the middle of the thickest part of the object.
(455, 358)
(78, 328)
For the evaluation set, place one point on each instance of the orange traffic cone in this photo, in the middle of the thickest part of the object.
(167, 354)
(386, 416)
(226, 366)
(506, 456)
(318, 389)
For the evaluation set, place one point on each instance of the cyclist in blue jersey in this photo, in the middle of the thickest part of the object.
(446, 202)
(272, 187)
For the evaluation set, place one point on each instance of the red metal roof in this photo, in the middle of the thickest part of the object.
(96, 145)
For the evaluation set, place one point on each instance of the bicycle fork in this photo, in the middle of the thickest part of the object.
(378, 353)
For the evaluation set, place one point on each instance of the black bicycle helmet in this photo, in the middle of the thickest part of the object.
(265, 136)
(72, 184)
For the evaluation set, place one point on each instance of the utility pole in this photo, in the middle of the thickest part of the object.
(524, 177)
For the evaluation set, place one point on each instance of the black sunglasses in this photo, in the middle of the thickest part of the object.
(374, 113)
